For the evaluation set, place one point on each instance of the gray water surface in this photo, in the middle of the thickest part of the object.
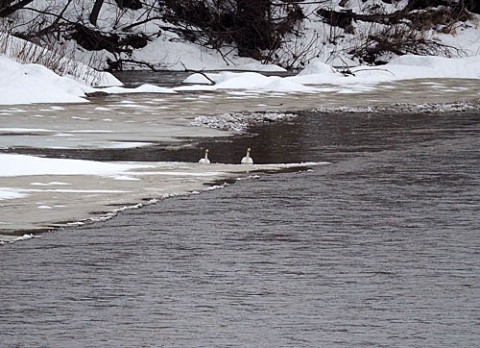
(379, 249)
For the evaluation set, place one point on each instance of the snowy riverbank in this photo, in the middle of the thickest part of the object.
(29, 83)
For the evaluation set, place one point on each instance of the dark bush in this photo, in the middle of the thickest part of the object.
(131, 4)
(95, 40)
(248, 23)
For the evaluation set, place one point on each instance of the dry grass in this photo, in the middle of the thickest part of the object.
(56, 58)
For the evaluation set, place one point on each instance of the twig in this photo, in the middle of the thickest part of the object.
(366, 69)
(128, 27)
(198, 72)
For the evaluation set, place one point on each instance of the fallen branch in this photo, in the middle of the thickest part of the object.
(199, 72)
(367, 69)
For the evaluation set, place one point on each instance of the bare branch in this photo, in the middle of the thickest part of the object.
(199, 72)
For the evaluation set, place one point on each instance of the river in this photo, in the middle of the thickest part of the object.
(379, 248)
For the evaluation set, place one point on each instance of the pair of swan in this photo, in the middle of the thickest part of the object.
(245, 160)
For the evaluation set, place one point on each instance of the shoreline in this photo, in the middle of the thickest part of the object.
(48, 210)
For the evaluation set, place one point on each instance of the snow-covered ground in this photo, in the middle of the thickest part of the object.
(312, 37)
(30, 83)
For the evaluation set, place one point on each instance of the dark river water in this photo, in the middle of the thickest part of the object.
(380, 248)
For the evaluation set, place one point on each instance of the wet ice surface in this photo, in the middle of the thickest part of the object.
(49, 201)
(378, 249)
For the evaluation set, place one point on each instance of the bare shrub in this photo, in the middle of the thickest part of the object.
(398, 40)
(254, 26)
(297, 52)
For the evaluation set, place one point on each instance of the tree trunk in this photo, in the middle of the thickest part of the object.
(95, 11)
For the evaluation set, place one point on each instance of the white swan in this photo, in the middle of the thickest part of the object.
(205, 159)
(247, 159)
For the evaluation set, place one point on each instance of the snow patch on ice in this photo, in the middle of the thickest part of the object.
(24, 130)
(23, 165)
(8, 193)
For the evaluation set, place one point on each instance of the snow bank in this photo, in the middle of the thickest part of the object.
(256, 81)
(317, 66)
(172, 52)
(400, 68)
(314, 77)
(91, 77)
(410, 67)
(33, 83)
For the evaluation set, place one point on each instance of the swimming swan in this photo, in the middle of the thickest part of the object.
(247, 159)
(205, 159)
